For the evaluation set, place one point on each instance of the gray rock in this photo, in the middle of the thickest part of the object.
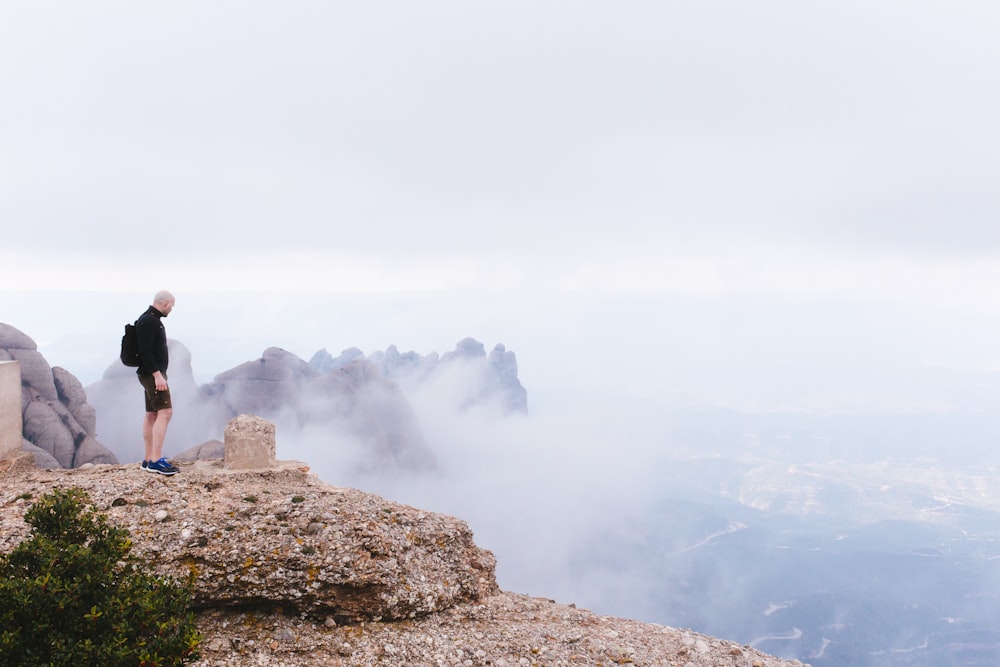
(56, 417)
(93, 452)
(467, 348)
(357, 397)
(74, 397)
(265, 386)
(484, 379)
(380, 584)
(324, 362)
(503, 379)
(14, 339)
(44, 428)
(42, 458)
(86, 416)
(70, 391)
(345, 396)
(381, 560)
(208, 450)
(36, 372)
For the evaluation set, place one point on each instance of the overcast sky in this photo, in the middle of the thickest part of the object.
(498, 153)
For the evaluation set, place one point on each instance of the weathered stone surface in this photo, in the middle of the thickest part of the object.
(503, 382)
(43, 459)
(91, 451)
(14, 339)
(249, 443)
(43, 426)
(74, 397)
(16, 462)
(10, 408)
(36, 373)
(68, 388)
(206, 451)
(266, 385)
(86, 416)
(251, 538)
(484, 380)
(291, 572)
(66, 420)
(465, 349)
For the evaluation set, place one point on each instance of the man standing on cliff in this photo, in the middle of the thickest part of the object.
(151, 336)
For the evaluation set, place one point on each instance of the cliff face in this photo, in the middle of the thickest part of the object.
(59, 425)
(292, 571)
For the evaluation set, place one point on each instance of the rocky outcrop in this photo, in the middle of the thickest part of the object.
(59, 425)
(328, 399)
(353, 400)
(280, 537)
(289, 571)
(266, 386)
(482, 378)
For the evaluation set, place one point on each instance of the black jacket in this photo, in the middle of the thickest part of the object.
(152, 338)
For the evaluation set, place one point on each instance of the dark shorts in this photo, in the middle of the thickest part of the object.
(155, 400)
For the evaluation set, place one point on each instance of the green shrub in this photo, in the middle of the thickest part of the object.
(72, 594)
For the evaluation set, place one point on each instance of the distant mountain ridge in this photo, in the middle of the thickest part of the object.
(492, 377)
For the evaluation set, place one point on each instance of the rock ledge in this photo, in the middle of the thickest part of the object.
(292, 572)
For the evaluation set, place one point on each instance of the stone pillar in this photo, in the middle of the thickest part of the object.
(249, 443)
(10, 409)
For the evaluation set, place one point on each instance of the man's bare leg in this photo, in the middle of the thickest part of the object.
(147, 434)
(154, 432)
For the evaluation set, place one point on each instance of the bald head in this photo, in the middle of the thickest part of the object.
(163, 301)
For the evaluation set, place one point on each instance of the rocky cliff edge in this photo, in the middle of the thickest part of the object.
(291, 571)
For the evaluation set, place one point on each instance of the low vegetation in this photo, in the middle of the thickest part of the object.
(73, 594)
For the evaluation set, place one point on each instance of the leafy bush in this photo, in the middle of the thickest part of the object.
(72, 594)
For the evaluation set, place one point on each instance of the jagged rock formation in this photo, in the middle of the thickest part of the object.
(482, 378)
(264, 386)
(59, 425)
(350, 395)
(353, 400)
(292, 572)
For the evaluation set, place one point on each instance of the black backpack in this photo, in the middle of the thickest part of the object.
(130, 347)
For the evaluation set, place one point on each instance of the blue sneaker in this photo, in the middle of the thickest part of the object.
(162, 467)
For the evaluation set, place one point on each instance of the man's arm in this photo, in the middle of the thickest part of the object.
(146, 332)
